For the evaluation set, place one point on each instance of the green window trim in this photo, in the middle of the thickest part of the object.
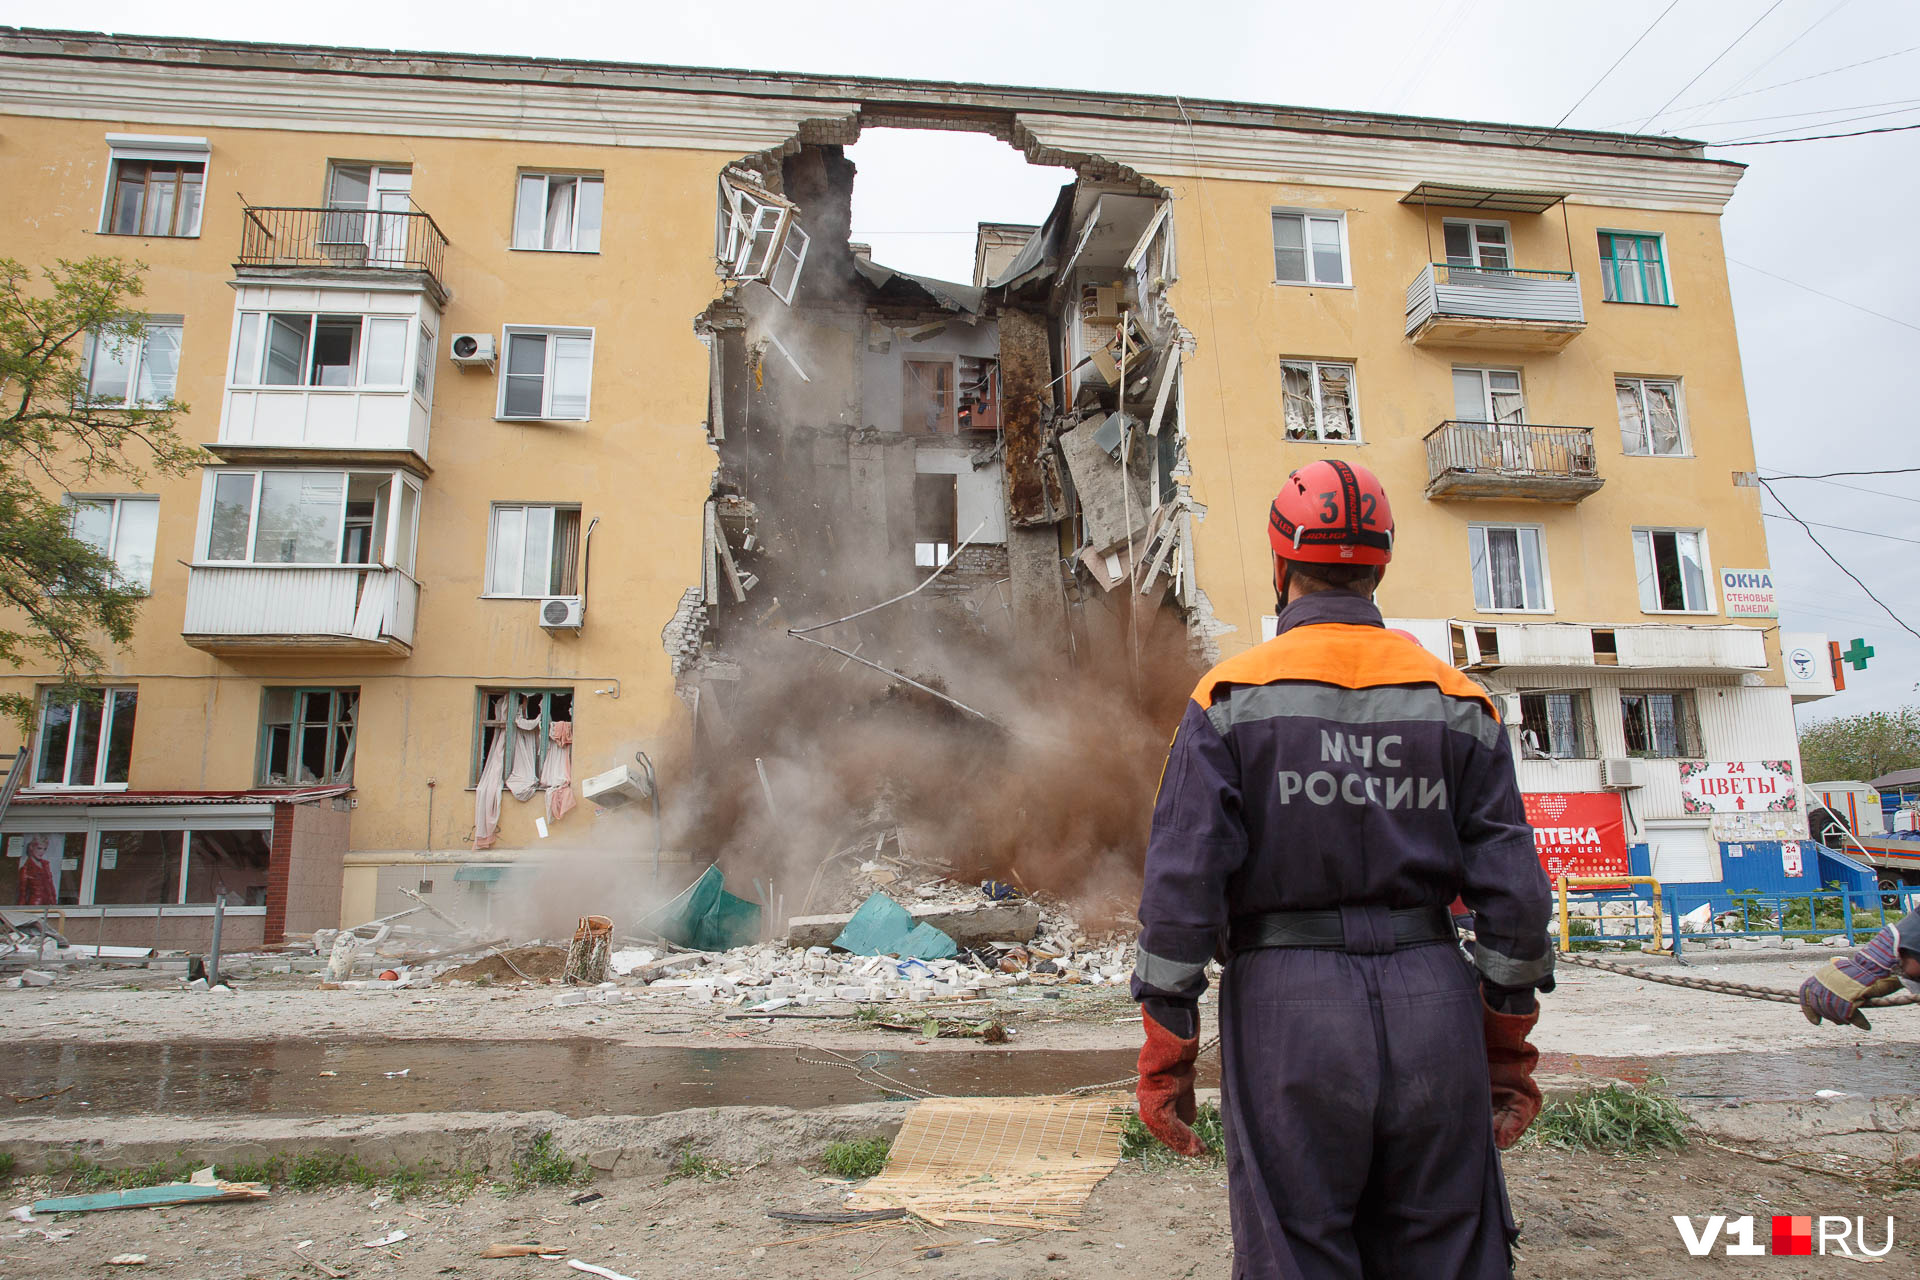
(342, 717)
(482, 723)
(1633, 269)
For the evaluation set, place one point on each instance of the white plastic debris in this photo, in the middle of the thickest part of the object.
(392, 1237)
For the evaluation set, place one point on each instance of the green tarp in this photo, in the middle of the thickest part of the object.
(706, 917)
(882, 927)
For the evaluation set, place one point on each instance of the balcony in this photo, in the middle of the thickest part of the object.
(263, 610)
(382, 244)
(1510, 461)
(1506, 309)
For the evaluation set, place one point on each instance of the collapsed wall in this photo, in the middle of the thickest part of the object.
(1001, 466)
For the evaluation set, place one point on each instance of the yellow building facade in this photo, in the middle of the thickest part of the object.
(453, 335)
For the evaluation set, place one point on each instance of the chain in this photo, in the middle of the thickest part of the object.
(1715, 985)
(1128, 1081)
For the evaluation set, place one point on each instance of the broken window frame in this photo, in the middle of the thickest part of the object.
(343, 715)
(949, 405)
(979, 412)
(753, 229)
(1310, 270)
(934, 553)
(585, 216)
(1640, 722)
(561, 521)
(552, 337)
(784, 278)
(1315, 371)
(1663, 579)
(484, 724)
(1635, 398)
(1568, 735)
(1478, 245)
(1529, 543)
(1492, 395)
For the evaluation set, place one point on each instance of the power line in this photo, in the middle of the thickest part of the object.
(1738, 139)
(1828, 475)
(1840, 528)
(1811, 537)
(1905, 324)
(1616, 63)
(1781, 84)
(1766, 61)
(1711, 65)
(1878, 493)
(1818, 137)
(1804, 116)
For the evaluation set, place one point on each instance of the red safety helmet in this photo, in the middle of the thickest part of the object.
(1332, 513)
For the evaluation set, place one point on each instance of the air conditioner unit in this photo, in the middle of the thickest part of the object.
(1623, 775)
(559, 613)
(616, 787)
(472, 349)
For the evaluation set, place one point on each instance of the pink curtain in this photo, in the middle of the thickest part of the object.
(556, 773)
(523, 773)
(486, 797)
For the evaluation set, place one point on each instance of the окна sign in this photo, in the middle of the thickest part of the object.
(1748, 593)
(1578, 833)
(1738, 786)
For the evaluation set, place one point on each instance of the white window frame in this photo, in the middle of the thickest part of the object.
(546, 179)
(386, 553)
(1314, 367)
(1477, 536)
(106, 693)
(1473, 226)
(134, 369)
(161, 149)
(552, 510)
(549, 332)
(409, 355)
(1485, 373)
(1651, 603)
(748, 215)
(1307, 218)
(1640, 383)
(118, 502)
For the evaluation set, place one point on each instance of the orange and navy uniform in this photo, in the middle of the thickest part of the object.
(1337, 765)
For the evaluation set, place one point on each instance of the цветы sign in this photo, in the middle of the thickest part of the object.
(1737, 786)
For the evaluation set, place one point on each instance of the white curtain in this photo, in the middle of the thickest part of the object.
(556, 771)
(486, 798)
(523, 772)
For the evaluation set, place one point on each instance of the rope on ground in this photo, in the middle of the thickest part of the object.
(1715, 985)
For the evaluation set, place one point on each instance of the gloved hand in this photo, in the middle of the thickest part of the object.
(1510, 1064)
(1837, 991)
(1165, 1090)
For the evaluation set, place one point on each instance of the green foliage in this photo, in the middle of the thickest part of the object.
(1618, 1118)
(861, 1159)
(53, 439)
(84, 1175)
(6, 1165)
(545, 1165)
(690, 1164)
(1859, 748)
(1137, 1143)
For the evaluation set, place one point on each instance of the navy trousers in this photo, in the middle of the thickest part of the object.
(1359, 1124)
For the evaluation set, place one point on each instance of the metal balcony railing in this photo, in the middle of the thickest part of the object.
(351, 239)
(1490, 459)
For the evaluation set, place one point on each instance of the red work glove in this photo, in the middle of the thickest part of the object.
(1165, 1090)
(1510, 1063)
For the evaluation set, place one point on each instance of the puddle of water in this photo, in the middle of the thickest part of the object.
(1865, 1072)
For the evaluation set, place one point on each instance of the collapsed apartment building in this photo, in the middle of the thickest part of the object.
(503, 332)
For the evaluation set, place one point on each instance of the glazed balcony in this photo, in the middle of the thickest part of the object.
(1511, 460)
(1503, 309)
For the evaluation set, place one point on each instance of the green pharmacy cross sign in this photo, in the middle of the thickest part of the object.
(1857, 655)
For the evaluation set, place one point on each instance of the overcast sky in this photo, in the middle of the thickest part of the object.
(1831, 387)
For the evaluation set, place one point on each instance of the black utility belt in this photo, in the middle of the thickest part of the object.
(1359, 930)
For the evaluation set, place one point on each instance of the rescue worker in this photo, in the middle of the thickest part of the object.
(1836, 992)
(1326, 796)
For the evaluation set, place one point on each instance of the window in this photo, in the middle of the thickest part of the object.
(530, 713)
(979, 393)
(124, 530)
(926, 398)
(559, 212)
(1478, 244)
(155, 186)
(1660, 724)
(132, 372)
(307, 736)
(85, 738)
(136, 867)
(1650, 417)
(533, 551)
(1317, 401)
(370, 222)
(1488, 395)
(301, 349)
(423, 364)
(1309, 247)
(1632, 268)
(1509, 568)
(757, 235)
(311, 517)
(1557, 724)
(1672, 567)
(133, 868)
(936, 519)
(549, 374)
(48, 874)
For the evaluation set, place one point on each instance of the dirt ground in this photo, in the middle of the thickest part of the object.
(1582, 1215)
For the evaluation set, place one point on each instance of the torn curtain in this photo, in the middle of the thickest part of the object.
(486, 796)
(556, 771)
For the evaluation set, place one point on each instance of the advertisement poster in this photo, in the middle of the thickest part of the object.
(1790, 858)
(1749, 593)
(1736, 786)
(1578, 833)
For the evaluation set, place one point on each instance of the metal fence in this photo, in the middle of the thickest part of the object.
(377, 239)
(1854, 915)
(1510, 448)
